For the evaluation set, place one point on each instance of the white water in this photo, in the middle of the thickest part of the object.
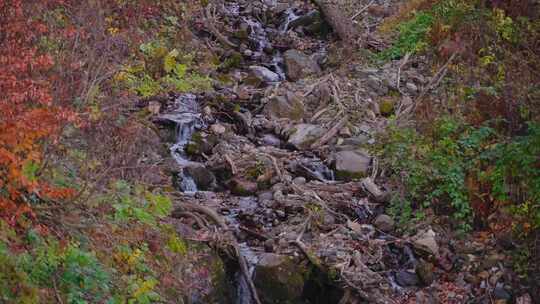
(187, 117)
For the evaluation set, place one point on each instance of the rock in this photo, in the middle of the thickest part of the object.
(269, 245)
(204, 178)
(242, 187)
(425, 241)
(406, 278)
(264, 74)
(270, 140)
(345, 132)
(279, 279)
(351, 164)
(499, 293)
(218, 129)
(306, 20)
(288, 106)
(384, 223)
(411, 87)
(387, 106)
(299, 180)
(425, 271)
(303, 135)
(154, 107)
(299, 65)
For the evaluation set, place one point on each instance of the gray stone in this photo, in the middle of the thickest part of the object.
(299, 180)
(204, 178)
(270, 140)
(303, 135)
(499, 293)
(425, 271)
(264, 74)
(411, 87)
(425, 241)
(299, 65)
(384, 223)
(306, 20)
(406, 278)
(242, 187)
(351, 164)
(288, 105)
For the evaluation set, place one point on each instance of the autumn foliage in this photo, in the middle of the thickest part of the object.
(28, 114)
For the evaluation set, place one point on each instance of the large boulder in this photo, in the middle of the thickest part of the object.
(279, 279)
(288, 106)
(425, 241)
(351, 164)
(303, 135)
(299, 65)
(203, 178)
(264, 74)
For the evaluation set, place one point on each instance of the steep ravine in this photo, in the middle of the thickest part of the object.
(275, 163)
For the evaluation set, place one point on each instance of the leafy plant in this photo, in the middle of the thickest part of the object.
(136, 203)
(162, 70)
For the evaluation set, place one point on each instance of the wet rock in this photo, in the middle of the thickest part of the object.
(299, 65)
(270, 140)
(269, 245)
(351, 164)
(384, 223)
(425, 271)
(264, 74)
(288, 106)
(204, 178)
(242, 187)
(425, 241)
(406, 278)
(279, 279)
(306, 20)
(499, 293)
(303, 135)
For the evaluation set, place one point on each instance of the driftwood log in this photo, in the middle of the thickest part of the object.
(338, 19)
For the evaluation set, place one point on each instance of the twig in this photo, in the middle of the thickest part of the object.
(435, 79)
(231, 163)
(331, 133)
(403, 63)
(362, 10)
(209, 18)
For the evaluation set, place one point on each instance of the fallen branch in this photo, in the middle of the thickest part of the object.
(362, 10)
(434, 80)
(209, 21)
(331, 133)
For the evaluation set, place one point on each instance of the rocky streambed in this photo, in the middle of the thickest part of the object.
(273, 169)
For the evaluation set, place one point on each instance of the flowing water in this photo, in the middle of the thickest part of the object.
(187, 117)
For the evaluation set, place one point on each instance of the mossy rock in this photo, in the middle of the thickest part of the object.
(387, 106)
(280, 279)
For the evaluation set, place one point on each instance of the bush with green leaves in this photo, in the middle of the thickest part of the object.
(75, 273)
(162, 70)
(434, 168)
(135, 202)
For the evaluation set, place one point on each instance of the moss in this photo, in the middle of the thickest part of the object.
(345, 175)
(235, 60)
(387, 106)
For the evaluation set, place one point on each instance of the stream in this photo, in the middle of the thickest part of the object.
(252, 170)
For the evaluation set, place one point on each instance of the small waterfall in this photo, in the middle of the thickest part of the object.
(187, 117)
(290, 16)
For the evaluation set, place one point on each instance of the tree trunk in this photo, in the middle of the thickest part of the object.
(336, 16)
